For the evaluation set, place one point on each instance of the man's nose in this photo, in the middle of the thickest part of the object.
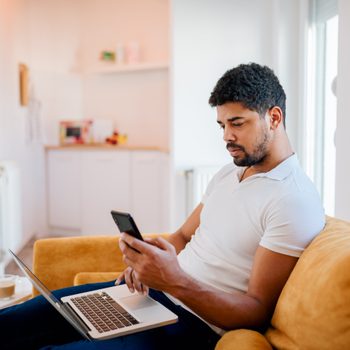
(228, 135)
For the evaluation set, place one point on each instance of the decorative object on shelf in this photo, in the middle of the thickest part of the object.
(128, 53)
(107, 56)
(76, 132)
(34, 128)
(132, 52)
(116, 138)
(23, 84)
(122, 139)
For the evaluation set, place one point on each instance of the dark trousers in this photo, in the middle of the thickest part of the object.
(35, 324)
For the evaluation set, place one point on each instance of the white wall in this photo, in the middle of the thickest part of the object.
(209, 38)
(54, 36)
(107, 23)
(14, 48)
(286, 36)
(342, 187)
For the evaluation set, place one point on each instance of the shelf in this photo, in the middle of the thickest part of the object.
(110, 67)
(105, 146)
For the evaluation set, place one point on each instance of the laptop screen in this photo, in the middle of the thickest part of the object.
(48, 295)
(35, 280)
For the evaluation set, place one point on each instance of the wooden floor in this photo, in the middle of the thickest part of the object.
(26, 254)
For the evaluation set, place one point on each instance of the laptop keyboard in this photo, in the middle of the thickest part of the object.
(103, 312)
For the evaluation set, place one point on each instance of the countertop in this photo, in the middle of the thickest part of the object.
(105, 146)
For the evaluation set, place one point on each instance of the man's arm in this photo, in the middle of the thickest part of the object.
(159, 269)
(183, 235)
(252, 309)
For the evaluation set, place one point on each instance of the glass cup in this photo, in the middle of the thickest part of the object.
(7, 286)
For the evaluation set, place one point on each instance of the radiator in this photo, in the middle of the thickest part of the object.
(197, 180)
(10, 214)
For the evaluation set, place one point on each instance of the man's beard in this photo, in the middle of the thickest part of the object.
(256, 157)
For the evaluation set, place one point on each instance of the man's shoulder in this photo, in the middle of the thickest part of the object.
(296, 200)
(295, 191)
(292, 179)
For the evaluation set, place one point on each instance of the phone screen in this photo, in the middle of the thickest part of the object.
(126, 224)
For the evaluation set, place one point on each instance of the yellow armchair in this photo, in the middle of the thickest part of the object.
(63, 262)
(313, 310)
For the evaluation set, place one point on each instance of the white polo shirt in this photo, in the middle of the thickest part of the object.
(279, 210)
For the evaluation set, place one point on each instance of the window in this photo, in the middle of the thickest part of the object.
(321, 98)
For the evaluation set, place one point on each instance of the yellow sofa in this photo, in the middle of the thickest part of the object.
(313, 310)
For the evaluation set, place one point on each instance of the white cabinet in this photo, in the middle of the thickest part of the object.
(64, 200)
(106, 185)
(85, 185)
(150, 188)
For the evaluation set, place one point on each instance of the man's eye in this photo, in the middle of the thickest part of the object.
(237, 124)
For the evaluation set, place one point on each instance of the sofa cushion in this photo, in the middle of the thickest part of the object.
(313, 311)
(243, 339)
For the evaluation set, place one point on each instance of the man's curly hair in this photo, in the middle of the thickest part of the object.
(253, 85)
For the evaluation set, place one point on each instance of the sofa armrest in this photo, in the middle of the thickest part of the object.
(56, 261)
(94, 277)
(243, 339)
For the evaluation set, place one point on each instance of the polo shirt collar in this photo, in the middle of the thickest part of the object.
(280, 172)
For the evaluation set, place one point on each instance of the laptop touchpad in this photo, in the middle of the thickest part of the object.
(135, 302)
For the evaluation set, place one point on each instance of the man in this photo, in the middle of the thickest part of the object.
(226, 266)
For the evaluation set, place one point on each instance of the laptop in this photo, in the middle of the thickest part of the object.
(105, 313)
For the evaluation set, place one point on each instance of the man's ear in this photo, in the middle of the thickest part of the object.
(276, 117)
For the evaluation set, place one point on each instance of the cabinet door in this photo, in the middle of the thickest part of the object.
(105, 186)
(150, 200)
(64, 191)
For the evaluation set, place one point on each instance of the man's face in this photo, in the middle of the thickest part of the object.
(246, 134)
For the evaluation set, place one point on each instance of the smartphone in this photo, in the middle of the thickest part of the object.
(126, 224)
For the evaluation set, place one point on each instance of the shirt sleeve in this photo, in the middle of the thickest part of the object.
(292, 223)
